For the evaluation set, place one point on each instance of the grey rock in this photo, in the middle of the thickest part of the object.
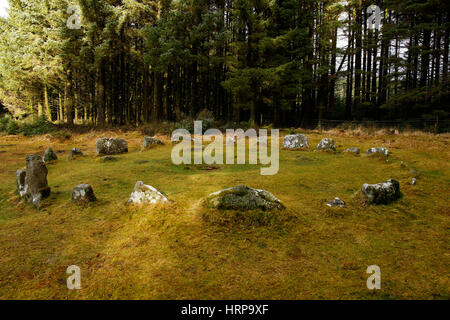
(413, 181)
(336, 202)
(296, 141)
(382, 193)
(50, 155)
(381, 150)
(354, 150)
(326, 144)
(32, 182)
(145, 194)
(83, 193)
(74, 153)
(150, 142)
(109, 146)
(243, 198)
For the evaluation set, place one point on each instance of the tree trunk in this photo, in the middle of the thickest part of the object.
(69, 99)
(99, 97)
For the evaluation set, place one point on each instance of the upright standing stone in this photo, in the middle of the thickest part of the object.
(50, 155)
(32, 183)
(108, 146)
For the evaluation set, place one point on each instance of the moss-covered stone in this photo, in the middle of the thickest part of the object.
(243, 198)
(50, 155)
(150, 142)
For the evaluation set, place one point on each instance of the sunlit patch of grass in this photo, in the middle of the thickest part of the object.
(172, 252)
(251, 218)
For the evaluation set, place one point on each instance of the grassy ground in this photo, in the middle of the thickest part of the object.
(170, 252)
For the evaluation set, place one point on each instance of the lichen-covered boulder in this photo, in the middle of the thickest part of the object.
(32, 182)
(243, 198)
(336, 202)
(50, 155)
(326, 144)
(145, 194)
(75, 152)
(382, 151)
(151, 142)
(83, 193)
(353, 150)
(382, 193)
(295, 141)
(108, 146)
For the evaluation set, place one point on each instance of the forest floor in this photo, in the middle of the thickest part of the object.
(170, 252)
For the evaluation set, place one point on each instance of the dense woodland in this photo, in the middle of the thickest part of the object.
(286, 62)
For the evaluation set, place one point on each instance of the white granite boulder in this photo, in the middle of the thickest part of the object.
(296, 141)
(145, 194)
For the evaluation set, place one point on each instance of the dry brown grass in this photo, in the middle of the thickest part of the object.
(170, 252)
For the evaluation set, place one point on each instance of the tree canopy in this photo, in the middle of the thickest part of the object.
(287, 62)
